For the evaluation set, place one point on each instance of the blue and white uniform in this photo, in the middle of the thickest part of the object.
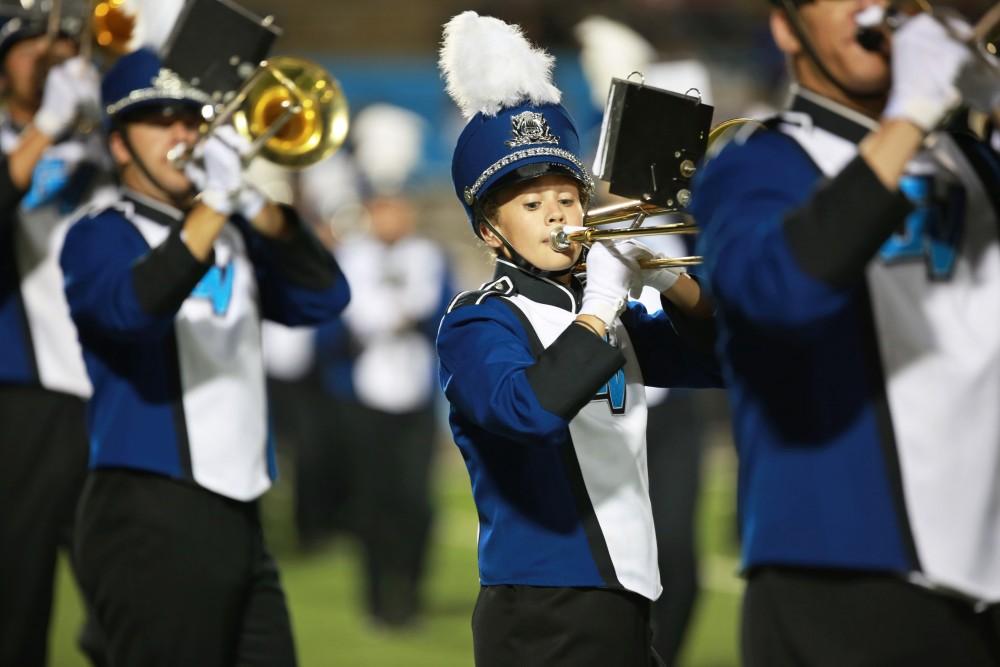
(860, 341)
(172, 345)
(40, 344)
(551, 422)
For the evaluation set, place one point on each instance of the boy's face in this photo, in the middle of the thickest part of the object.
(152, 134)
(22, 68)
(832, 27)
(527, 214)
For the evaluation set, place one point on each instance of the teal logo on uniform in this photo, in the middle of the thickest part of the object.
(217, 287)
(55, 181)
(933, 232)
(613, 392)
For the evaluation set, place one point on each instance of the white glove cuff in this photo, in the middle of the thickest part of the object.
(219, 201)
(602, 309)
(662, 279)
(924, 113)
(251, 202)
(50, 124)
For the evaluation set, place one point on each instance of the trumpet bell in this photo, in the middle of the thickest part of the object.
(307, 101)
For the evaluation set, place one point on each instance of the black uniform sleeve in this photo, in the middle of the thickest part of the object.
(165, 276)
(301, 258)
(836, 233)
(571, 370)
(10, 194)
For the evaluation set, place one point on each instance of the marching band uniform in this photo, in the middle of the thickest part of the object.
(861, 347)
(379, 368)
(43, 383)
(170, 546)
(551, 420)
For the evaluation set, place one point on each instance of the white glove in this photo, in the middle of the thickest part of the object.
(610, 275)
(217, 170)
(250, 202)
(926, 61)
(72, 88)
(659, 279)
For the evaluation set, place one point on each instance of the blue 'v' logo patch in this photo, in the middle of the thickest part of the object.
(932, 233)
(217, 287)
(614, 392)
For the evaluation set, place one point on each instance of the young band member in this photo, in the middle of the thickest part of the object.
(545, 377)
(853, 250)
(48, 170)
(167, 290)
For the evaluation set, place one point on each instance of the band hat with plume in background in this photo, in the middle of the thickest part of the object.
(517, 128)
(388, 145)
(139, 80)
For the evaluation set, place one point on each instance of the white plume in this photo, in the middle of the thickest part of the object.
(490, 65)
(610, 49)
(154, 21)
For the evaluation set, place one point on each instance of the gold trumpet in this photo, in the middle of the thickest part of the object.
(637, 211)
(291, 110)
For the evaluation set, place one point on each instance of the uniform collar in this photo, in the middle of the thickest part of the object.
(831, 116)
(157, 211)
(539, 289)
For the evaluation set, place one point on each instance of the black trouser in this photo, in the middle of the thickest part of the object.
(820, 618)
(529, 626)
(43, 444)
(394, 454)
(178, 575)
(320, 430)
(674, 445)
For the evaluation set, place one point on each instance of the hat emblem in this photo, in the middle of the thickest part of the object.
(530, 127)
(167, 79)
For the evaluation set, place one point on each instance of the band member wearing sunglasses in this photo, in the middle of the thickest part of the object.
(168, 287)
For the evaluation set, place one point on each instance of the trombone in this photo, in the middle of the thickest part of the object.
(293, 113)
(637, 211)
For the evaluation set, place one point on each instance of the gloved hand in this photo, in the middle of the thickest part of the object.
(659, 279)
(250, 202)
(926, 61)
(217, 170)
(72, 88)
(611, 273)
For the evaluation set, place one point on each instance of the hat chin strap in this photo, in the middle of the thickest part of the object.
(520, 262)
(792, 12)
(147, 173)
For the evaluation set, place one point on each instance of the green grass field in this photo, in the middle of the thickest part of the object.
(324, 588)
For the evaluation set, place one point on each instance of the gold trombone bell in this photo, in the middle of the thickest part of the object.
(293, 111)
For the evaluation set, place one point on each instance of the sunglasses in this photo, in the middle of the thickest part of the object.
(165, 116)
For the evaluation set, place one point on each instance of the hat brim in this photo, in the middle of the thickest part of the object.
(538, 163)
(137, 102)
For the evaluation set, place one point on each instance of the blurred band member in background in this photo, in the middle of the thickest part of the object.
(48, 171)
(852, 246)
(379, 362)
(167, 290)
